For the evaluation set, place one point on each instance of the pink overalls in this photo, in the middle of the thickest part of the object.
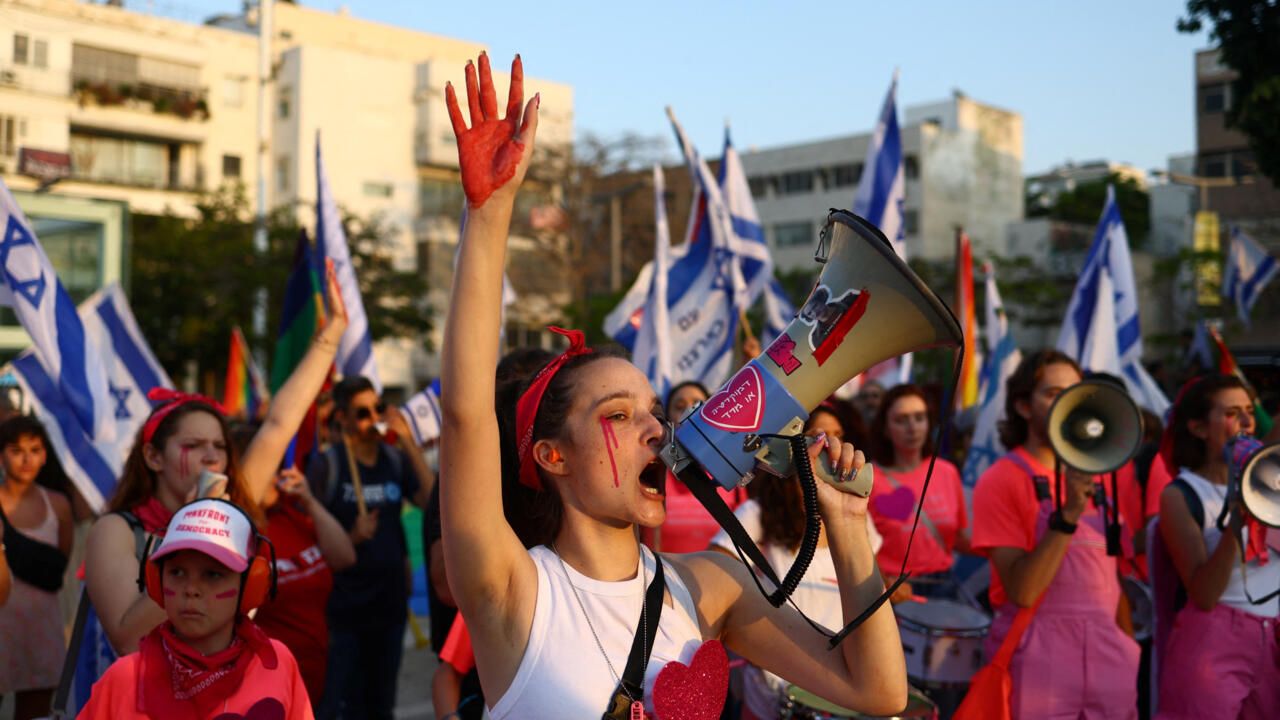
(1074, 662)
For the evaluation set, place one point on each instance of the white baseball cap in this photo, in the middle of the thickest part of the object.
(213, 527)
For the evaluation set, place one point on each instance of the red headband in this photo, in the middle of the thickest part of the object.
(527, 407)
(172, 400)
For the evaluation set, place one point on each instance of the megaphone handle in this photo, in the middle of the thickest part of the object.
(1113, 520)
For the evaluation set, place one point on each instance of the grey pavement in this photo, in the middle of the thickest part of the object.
(413, 689)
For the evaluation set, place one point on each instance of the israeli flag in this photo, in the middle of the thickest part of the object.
(746, 239)
(30, 285)
(1101, 328)
(880, 198)
(1249, 269)
(422, 411)
(778, 311)
(355, 349)
(1002, 359)
(132, 371)
(705, 287)
(882, 189)
(653, 345)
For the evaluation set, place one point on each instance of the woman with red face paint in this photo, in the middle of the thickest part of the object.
(555, 627)
(184, 436)
(1221, 659)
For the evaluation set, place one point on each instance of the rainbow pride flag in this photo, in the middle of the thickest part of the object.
(967, 393)
(245, 393)
(302, 313)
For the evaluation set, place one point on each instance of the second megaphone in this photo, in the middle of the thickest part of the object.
(867, 306)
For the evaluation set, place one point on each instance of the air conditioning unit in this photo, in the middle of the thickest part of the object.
(8, 77)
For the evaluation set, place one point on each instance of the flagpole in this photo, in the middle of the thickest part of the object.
(264, 118)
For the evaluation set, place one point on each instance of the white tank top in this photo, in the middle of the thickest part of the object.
(1263, 579)
(562, 674)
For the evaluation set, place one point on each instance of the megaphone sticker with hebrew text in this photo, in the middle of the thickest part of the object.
(832, 318)
(739, 405)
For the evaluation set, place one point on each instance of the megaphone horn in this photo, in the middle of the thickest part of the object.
(866, 307)
(1095, 427)
(1260, 485)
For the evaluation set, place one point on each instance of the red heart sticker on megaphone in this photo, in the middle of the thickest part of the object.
(739, 405)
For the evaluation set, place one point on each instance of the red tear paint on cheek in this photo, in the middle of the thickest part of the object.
(182, 463)
(610, 442)
(225, 595)
(169, 593)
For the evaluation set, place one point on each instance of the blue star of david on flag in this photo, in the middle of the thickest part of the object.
(121, 395)
(15, 236)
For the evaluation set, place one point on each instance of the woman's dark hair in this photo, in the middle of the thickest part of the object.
(881, 445)
(536, 515)
(781, 504)
(18, 426)
(1190, 451)
(666, 402)
(138, 483)
(1019, 388)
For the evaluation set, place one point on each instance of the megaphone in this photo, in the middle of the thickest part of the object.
(1095, 427)
(1255, 475)
(867, 306)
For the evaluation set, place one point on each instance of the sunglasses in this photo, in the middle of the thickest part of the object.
(366, 413)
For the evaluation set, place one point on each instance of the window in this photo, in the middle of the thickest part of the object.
(8, 136)
(794, 234)
(757, 186)
(20, 48)
(1215, 98)
(910, 222)
(440, 197)
(122, 160)
(1243, 164)
(377, 189)
(282, 173)
(845, 175)
(794, 183)
(41, 57)
(911, 167)
(230, 167)
(1213, 166)
(283, 102)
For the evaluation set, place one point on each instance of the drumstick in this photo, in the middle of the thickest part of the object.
(355, 477)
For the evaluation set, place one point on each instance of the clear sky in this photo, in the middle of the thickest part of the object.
(1092, 79)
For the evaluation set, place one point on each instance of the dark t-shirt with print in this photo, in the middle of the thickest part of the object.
(374, 591)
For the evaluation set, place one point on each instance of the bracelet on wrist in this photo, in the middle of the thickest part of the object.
(1059, 523)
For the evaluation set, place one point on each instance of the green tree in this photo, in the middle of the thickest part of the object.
(193, 280)
(1084, 204)
(1247, 33)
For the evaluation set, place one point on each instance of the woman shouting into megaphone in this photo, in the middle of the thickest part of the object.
(587, 623)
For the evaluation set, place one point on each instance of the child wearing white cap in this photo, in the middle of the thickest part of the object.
(209, 660)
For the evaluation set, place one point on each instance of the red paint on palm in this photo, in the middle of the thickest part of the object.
(488, 151)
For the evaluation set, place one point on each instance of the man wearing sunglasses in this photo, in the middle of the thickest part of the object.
(367, 608)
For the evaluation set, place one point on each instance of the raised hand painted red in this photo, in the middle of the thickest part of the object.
(488, 151)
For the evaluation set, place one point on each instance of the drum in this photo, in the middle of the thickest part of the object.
(800, 704)
(942, 641)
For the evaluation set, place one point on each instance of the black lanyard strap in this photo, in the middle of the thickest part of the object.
(632, 683)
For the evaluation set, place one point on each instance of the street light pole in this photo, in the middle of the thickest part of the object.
(264, 157)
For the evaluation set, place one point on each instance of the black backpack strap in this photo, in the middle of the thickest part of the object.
(632, 683)
(1194, 504)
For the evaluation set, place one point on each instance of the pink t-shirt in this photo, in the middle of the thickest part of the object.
(275, 693)
(1005, 509)
(688, 527)
(893, 502)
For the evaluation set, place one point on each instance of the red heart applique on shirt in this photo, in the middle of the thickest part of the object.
(264, 709)
(695, 691)
(896, 505)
